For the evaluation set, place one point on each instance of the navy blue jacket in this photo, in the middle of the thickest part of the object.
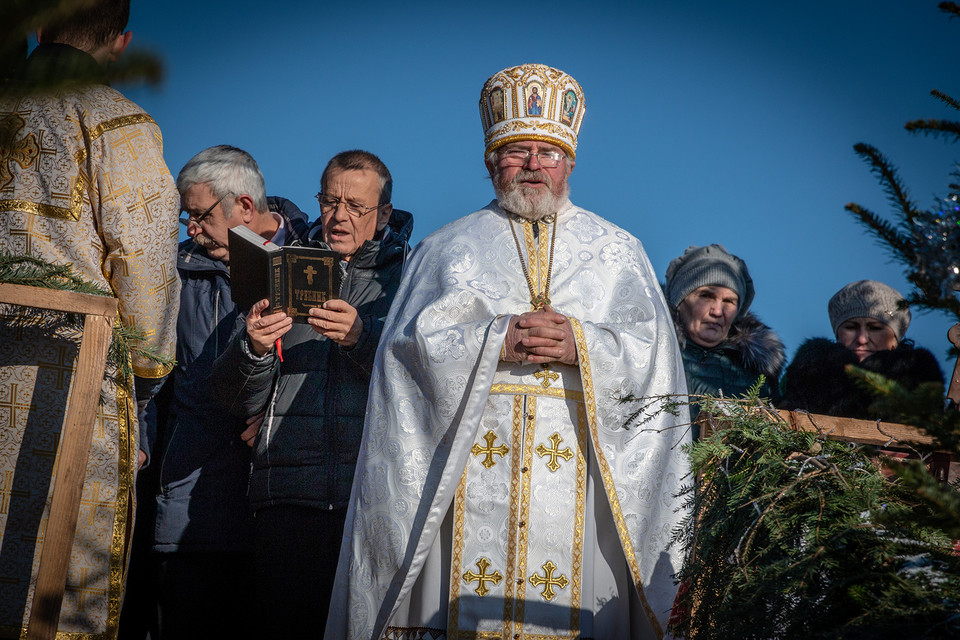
(202, 504)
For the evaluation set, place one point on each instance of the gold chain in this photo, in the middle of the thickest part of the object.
(541, 299)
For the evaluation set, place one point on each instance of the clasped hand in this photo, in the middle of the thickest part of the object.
(336, 319)
(540, 336)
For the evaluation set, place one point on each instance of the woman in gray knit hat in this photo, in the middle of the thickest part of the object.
(868, 321)
(725, 348)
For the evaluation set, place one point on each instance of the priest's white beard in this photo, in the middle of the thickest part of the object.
(529, 202)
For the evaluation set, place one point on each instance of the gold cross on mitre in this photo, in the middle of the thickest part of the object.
(554, 453)
(548, 580)
(489, 450)
(483, 577)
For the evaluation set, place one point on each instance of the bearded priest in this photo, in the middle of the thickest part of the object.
(500, 491)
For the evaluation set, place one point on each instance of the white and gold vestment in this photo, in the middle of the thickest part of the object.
(82, 182)
(506, 500)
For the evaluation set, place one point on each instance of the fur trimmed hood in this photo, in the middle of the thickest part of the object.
(756, 344)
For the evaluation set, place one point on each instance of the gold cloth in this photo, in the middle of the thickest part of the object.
(82, 182)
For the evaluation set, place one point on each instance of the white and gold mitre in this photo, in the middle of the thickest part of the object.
(531, 102)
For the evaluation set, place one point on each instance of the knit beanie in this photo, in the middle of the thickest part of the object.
(869, 299)
(709, 266)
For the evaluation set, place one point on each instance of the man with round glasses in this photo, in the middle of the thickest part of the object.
(501, 489)
(303, 390)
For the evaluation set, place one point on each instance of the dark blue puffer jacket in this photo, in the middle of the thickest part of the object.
(316, 399)
(202, 504)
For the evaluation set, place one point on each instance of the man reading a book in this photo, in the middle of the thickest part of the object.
(306, 400)
(203, 533)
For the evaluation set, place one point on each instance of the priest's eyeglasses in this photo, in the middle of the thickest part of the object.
(329, 204)
(187, 219)
(520, 157)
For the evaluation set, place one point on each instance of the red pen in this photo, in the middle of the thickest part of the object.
(279, 349)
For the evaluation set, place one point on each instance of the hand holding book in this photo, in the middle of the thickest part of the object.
(263, 331)
(337, 320)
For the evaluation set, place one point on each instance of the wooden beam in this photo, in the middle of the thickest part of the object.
(75, 439)
(869, 432)
(57, 300)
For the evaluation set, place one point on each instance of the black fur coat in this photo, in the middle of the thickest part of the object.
(817, 382)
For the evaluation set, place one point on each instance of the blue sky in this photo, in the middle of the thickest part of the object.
(727, 122)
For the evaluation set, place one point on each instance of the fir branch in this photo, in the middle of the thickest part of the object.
(897, 243)
(936, 128)
(889, 180)
(33, 272)
(944, 98)
(808, 531)
(951, 8)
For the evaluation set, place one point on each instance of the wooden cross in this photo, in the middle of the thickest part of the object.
(548, 580)
(554, 453)
(545, 375)
(23, 151)
(483, 577)
(310, 271)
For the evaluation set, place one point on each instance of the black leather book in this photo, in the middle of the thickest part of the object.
(293, 279)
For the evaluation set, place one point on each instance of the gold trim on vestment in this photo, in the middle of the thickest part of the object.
(529, 434)
(116, 123)
(536, 390)
(157, 371)
(609, 485)
(38, 209)
(577, 563)
(509, 587)
(126, 501)
(456, 561)
(74, 212)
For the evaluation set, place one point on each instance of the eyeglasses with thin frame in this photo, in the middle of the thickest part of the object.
(186, 220)
(329, 204)
(520, 157)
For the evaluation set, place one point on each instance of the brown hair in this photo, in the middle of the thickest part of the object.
(90, 26)
(359, 160)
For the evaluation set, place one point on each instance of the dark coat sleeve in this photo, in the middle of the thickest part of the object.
(816, 381)
(241, 380)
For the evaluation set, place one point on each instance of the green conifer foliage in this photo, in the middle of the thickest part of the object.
(799, 536)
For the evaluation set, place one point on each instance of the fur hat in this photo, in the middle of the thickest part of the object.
(869, 299)
(707, 266)
(531, 102)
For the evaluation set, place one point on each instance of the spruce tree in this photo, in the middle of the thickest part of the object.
(796, 535)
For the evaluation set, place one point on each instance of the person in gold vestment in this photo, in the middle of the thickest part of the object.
(82, 182)
(501, 491)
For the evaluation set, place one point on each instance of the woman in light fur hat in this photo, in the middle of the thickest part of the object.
(868, 322)
(725, 348)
